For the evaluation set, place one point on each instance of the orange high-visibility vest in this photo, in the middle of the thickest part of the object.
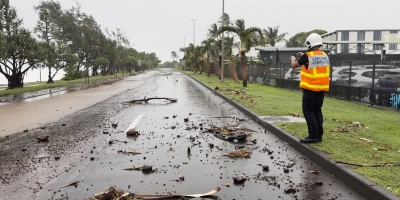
(316, 77)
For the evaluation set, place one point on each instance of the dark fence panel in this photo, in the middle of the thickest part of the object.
(273, 74)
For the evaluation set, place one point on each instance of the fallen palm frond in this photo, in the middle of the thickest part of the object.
(152, 196)
(232, 91)
(349, 126)
(366, 140)
(230, 130)
(240, 153)
(113, 194)
(294, 114)
(385, 164)
(229, 133)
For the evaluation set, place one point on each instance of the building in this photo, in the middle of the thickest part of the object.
(368, 42)
(281, 54)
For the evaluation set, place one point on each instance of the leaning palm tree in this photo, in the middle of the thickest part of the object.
(174, 56)
(272, 36)
(246, 36)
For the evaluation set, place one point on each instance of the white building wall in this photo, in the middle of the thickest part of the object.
(386, 36)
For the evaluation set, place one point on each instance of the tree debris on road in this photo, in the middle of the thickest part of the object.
(146, 100)
(152, 196)
(113, 194)
(75, 184)
(230, 133)
(240, 153)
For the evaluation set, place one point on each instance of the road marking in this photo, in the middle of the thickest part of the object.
(134, 123)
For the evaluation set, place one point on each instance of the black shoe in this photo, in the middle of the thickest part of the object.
(310, 140)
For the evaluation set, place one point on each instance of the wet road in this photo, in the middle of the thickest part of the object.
(86, 147)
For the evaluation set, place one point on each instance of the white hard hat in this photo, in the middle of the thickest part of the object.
(313, 40)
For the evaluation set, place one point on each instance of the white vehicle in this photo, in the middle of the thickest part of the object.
(337, 71)
(360, 77)
(293, 74)
(377, 66)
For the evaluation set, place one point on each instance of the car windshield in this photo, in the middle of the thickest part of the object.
(391, 75)
(346, 74)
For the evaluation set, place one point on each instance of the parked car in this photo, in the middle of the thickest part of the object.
(377, 66)
(293, 74)
(390, 81)
(337, 71)
(360, 77)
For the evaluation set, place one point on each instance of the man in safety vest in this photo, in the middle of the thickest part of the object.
(314, 80)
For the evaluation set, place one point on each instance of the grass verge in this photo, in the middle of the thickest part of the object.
(353, 133)
(37, 86)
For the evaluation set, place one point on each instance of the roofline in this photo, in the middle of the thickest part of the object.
(368, 30)
(273, 49)
(362, 42)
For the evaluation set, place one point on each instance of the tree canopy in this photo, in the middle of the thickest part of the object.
(68, 40)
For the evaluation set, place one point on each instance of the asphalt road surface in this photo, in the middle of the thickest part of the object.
(87, 150)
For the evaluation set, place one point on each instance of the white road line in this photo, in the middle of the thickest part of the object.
(134, 123)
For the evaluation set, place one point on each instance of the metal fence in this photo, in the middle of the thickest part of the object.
(273, 74)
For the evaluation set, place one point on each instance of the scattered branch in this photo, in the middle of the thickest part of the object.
(146, 100)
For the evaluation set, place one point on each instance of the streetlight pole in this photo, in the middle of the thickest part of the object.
(222, 43)
(194, 32)
(184, 50)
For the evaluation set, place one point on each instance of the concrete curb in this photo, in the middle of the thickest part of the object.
(362, 185)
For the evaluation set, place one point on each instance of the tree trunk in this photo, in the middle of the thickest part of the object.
(233, 70)
(50, 78)
(15, 80)
(208, 66)
(244, 68)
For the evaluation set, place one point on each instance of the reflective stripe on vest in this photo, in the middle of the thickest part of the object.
(316, 77)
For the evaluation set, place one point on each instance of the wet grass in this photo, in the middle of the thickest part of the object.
(353, 133)
(37, 86)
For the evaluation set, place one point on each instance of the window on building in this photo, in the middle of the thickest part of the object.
(377, 47)
(377, 35)
(361, 36)
(393, 47)
(344, 48)
(345, 35)
(395, 32)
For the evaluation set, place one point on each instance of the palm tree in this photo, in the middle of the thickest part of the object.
(208, 46)
(217, 49)
(246, 36)
(272, 36)
(174, 56)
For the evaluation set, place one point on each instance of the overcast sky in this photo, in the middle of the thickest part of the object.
(163, 26)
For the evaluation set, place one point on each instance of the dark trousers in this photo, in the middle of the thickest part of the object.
(312, 110)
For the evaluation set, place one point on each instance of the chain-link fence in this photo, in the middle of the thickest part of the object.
(365, 81)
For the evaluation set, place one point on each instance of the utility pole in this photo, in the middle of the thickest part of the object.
(222, 43)
(194, 32)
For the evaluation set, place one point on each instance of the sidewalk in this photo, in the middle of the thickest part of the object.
(36, 112)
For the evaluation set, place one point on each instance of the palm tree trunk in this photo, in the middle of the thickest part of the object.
(208, 65)
(244, 68)
(233, 69)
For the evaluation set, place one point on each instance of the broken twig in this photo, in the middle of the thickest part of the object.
(75, 184)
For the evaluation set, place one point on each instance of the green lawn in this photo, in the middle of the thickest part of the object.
(37, 86)
(371, 134)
